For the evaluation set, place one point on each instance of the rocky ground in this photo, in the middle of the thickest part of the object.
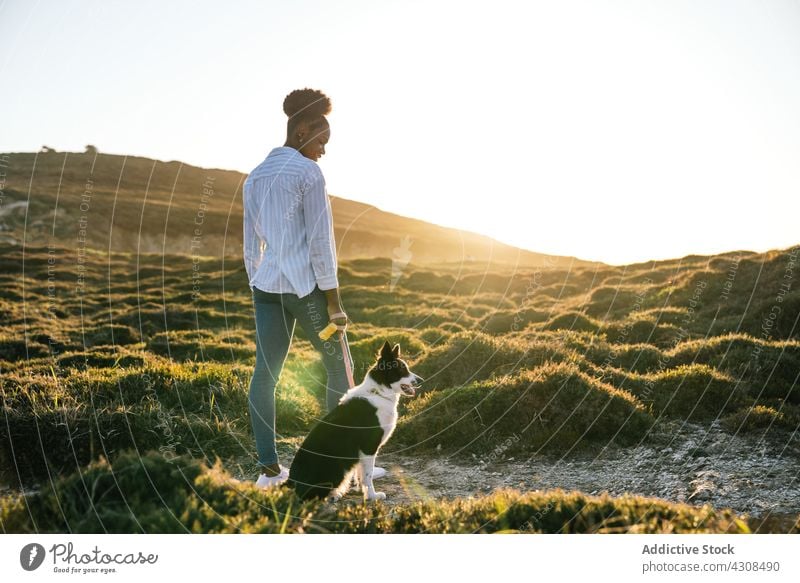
(680, 463)
(693, 464)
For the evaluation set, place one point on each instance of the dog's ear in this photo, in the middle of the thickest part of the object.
(386, 351)
(396, 350)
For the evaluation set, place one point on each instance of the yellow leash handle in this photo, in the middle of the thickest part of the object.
(328, 331)
(332, 327)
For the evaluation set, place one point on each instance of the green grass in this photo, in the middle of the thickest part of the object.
(521, 359)
(57, 420)
(764, 419)
(556, 407)
(153, 494)
(694, 392)
(468, 356)
(768, 368)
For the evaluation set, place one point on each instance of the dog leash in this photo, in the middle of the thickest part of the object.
(328, 331)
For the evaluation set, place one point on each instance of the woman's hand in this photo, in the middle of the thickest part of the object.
(340, 320)
(335, 307)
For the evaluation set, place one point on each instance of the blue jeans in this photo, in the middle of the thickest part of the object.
(276, 315)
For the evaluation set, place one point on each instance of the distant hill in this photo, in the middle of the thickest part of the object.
(130, 204)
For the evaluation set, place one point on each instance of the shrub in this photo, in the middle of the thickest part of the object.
(769, 369)
(642, 331)
(410, 316)
(503, 321)
(606, 301)
(572, 321)
(105, 335)
(639, 358)
(556, 406)
(695, 392)
(763, 418)
(469, 356)
(433, 336)
(427, 281)
(18, 349)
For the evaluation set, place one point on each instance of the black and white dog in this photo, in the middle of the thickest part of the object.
(344, 444)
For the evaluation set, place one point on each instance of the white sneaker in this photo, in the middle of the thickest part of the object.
(265, 481)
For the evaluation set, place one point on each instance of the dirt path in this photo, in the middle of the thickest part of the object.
(680, 463)
(699, 466)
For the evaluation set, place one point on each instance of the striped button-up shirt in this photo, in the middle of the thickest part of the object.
(288, 241)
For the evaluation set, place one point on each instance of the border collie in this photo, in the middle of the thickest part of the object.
(344, 444)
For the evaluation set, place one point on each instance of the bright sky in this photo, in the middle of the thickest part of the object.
(618, 131)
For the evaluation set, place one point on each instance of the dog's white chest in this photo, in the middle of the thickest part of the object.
(387, 417)
(386, 411)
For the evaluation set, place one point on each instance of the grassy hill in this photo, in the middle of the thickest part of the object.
(118, 363)
(126, 353)
(134, 204)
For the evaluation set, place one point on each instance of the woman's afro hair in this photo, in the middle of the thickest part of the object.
(308, 103)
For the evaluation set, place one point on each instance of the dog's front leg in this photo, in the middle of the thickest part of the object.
(367, 465)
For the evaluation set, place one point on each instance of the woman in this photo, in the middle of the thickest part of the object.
(290, 258)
